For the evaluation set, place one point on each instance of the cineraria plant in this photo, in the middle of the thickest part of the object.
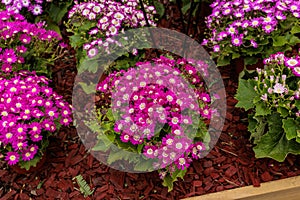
(160, 111)
(94, 23)
(273, 96)
(24, 45)
(251, 29)
(30, 112)
(35, 7)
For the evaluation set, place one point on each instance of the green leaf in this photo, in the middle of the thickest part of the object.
(179, 174)
(168, 182)
(144, 165)
(290, 127)
(223, 61)
(261, 109)
(88, 65)
(279, 41)
(186, 7)
(101, 146)
(57, 12)
(31, 163)
(295, 29)
(160, 9)
(250, 60)
(274, 143)
(109, 115)
(257, 127)
(76, 41)
(83, 186)
(88, 89)
(283, 111)
(297, 104)
(245, 94)
(235, 55)
(294, 40)
(118, 154)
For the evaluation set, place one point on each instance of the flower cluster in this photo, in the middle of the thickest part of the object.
(279, 84)
(105, 19)
(235, 25)
(155, 107)
(29, 112)
(35, 7)
(24, 43)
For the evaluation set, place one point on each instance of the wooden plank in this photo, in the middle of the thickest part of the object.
(288, 188)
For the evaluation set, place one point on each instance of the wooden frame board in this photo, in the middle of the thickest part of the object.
(285, 189)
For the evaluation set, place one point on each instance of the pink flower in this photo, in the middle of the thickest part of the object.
(12, 158)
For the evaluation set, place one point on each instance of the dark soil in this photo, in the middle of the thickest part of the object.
(230, 164)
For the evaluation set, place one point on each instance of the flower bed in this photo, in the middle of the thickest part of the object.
(230, 164)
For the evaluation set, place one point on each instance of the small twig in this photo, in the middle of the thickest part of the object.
(230, 182)
(228, 152)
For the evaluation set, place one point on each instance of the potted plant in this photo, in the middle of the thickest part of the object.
(272, 96)
(154, 116)
(251, 30)
(30, 112)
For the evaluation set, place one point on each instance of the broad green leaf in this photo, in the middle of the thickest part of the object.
(117, 154)
(235, 55)
(223, 61)
(245, 94)
(290, 127)
(250, 60)
(297, 104)
(179, 174)
(31, 163)
(88, 65)
(274, 143)
(257, 127)
(76, 41)
(57, 12)
(159, 7)
(261, 109)
(294, 40)
(110, 115)
(283, 111)
(88, 89)
(144, 165)
(186, 7)
(279, 41)
(101, 146)
(168, 182)
(295, 29)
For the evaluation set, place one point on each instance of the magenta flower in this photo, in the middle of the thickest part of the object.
(12, 158)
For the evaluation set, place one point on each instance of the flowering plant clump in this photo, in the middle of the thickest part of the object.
(155, 113)
(35, 7)
(93, 22)
(273, 95)
(24, 45)
(29, 113)
(251, 29)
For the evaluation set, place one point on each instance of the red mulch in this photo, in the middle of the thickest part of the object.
(229, 165)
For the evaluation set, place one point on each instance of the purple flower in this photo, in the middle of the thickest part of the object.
(268, 28)
(25, 39)
(256, 22)
(237, 40)
(12, 158)
(296, 71)
(253, 43)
